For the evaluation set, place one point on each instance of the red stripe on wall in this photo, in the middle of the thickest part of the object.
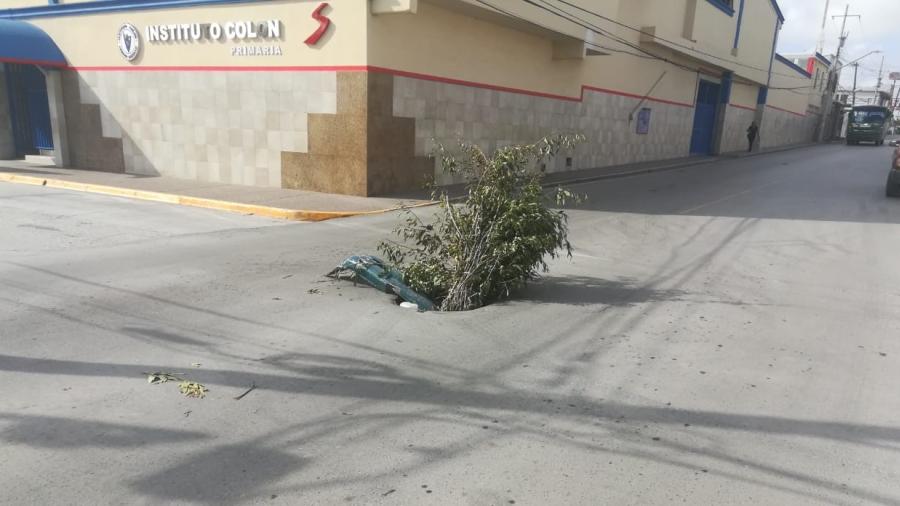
(743, 107)
(385, 70)
(785, 110)
(211, 68)
(472, 84)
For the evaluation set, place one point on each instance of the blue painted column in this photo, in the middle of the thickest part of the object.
(722, 110)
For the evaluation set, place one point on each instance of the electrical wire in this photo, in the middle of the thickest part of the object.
(638, 30)
(645, 54)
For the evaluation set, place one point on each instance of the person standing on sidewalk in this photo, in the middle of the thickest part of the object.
(752, 132)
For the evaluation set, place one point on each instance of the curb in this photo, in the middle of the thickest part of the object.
(742, 154)
(676, 166)
(634, 172)
(184, 200)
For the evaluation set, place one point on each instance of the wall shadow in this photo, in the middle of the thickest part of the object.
(228, 473)
(221, 475)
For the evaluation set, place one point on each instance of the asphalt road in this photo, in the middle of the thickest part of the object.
(725, 334)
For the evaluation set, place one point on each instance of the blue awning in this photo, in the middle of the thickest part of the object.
(22, 42)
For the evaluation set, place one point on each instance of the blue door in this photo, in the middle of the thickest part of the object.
(704, 118)
(29, 108)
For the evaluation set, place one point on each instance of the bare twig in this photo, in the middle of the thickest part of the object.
(252, 387)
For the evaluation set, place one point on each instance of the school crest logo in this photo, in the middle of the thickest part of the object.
(129, 41)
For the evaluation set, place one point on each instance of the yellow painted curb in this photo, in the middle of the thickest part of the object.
(184, 200)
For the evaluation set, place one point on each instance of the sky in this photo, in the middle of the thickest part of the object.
(879, 28)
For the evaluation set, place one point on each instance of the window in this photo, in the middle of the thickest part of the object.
(726, 6)
(867, 117)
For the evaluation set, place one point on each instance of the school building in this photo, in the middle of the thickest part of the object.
(351, 96)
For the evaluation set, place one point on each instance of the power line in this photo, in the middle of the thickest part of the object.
(646, 54)
(649, 34)
(600, 31)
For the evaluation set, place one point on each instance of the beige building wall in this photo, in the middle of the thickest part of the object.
(787, 119)
(740, 112)
(164, 113)
(79, 37)
(496, 85)
(756, 39)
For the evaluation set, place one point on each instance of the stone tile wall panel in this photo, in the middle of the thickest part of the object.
(734, 133)
(781, 128)
(228, 127)
(446, 113)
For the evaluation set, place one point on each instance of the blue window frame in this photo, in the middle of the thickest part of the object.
(726, 6)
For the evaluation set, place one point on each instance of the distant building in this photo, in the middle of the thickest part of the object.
(868, 96)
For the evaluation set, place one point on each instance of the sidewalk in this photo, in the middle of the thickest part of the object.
(296, 205)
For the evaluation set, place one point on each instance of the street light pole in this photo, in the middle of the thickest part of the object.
(855, 70)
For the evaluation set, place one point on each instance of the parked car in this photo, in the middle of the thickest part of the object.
(893, 182)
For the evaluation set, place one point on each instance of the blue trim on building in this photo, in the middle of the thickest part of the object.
(822, 58)
(763, 95)
(737, 32)
(24, 42)
(101, 6)
(792, 65)
(778, 11)
(722, 6)
(725, 89)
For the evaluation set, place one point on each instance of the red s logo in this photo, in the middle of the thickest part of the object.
(324, 23)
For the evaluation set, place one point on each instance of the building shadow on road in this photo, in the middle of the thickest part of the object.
(830, 183)
(398, 397)
(242, 468)
(586, 291)
(61, 433)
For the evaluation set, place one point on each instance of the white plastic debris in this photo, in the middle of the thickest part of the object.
(408, 305)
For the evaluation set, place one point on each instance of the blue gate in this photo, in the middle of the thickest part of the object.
(29, 108)
(704, 118)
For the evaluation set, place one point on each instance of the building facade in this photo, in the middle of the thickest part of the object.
(351, 97)
(868, 96)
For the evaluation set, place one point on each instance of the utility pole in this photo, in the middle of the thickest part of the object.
(833, 77)
(855, 70)
(880, 74)
(843, 37)
(820, 47)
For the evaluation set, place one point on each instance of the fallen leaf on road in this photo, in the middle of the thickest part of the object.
(158, 378)
(193, 389)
